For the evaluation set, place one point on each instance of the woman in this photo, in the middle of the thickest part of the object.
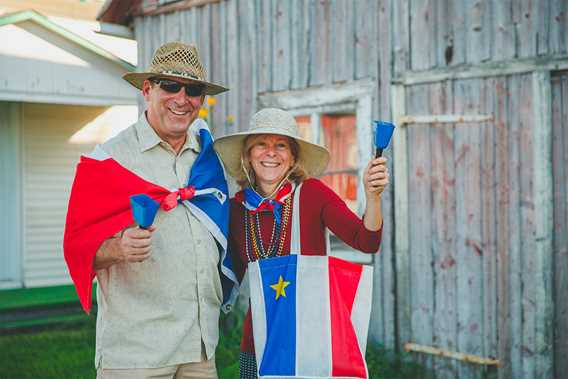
(273, 166)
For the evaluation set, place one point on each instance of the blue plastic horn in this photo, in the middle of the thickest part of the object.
(144, 210)
(383, 134)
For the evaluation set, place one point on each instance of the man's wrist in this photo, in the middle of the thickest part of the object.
(109, 253)
(114, 252)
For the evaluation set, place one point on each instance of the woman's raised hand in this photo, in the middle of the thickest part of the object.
(376, 177)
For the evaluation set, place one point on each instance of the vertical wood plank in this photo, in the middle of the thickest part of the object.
(385, 47)
(401, 37)
(421, 273)
(185, 26)
(264, 53)
(559, 163)
(233, 53)
(422, 42)
(557, 36)
(503, 32)
(203, 43)
(204, 40)
(443, 232)
(527, 17)
(564, 174)
(153, 37)
(458, 19)
(216, 68)
(478, 32)
(143, 46)
(443, 30)
(300, 49)
(528, 245)
(366, 51)
(139, 35)
(248, 63)
(343, 35)
(469, 249)
(515, 232)
(173, 31)
(160, 22)
(281, 39)
(488, 201)
(400, 174)
(193, 26)
(543, 21)
(320, 55)
(224, 42)
(499, 108)
(544, 228)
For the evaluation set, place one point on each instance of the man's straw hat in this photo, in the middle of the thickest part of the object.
(313, 158)
(175, 60)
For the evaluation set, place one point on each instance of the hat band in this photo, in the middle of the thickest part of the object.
(178, 73)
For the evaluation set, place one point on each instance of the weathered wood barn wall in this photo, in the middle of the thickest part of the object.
(475, 251)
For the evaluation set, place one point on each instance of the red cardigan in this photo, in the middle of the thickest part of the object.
(320, 208)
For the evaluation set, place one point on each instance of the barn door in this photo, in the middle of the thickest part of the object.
(471, 227)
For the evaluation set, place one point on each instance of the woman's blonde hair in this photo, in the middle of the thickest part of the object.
(246, 176)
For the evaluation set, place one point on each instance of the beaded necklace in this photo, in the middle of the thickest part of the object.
(254, 245)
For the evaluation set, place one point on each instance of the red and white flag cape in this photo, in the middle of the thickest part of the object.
(99, 207)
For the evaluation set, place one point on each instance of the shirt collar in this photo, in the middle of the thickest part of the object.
(149, 138)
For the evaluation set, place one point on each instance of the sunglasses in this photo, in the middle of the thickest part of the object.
(171, 86)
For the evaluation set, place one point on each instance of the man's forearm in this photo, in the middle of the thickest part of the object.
(107, 255)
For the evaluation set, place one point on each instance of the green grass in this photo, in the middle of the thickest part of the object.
(58, 353)
(67, 351)
(36, 297)
(43, 322)
(384, 363)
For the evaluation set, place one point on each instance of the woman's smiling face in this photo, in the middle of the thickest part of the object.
(270, 158)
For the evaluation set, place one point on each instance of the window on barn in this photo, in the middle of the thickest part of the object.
(338, 133)
(339, 118)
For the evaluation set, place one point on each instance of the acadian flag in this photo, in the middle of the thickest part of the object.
(310, 316)
(99, 207)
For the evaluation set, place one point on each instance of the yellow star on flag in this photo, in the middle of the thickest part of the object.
(279, 287)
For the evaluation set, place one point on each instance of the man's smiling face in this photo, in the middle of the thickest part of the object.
(170, 114)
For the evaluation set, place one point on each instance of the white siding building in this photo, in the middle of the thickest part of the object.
(60, 94)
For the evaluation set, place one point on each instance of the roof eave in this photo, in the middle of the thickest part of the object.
(14, 18)
(118, 11)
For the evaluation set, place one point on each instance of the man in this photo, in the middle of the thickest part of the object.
(159, 290)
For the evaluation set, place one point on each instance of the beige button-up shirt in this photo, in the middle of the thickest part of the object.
(157, 312)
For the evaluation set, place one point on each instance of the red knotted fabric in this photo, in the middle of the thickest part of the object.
(171, 200)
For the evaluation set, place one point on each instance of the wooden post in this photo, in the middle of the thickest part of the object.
(400, 165)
